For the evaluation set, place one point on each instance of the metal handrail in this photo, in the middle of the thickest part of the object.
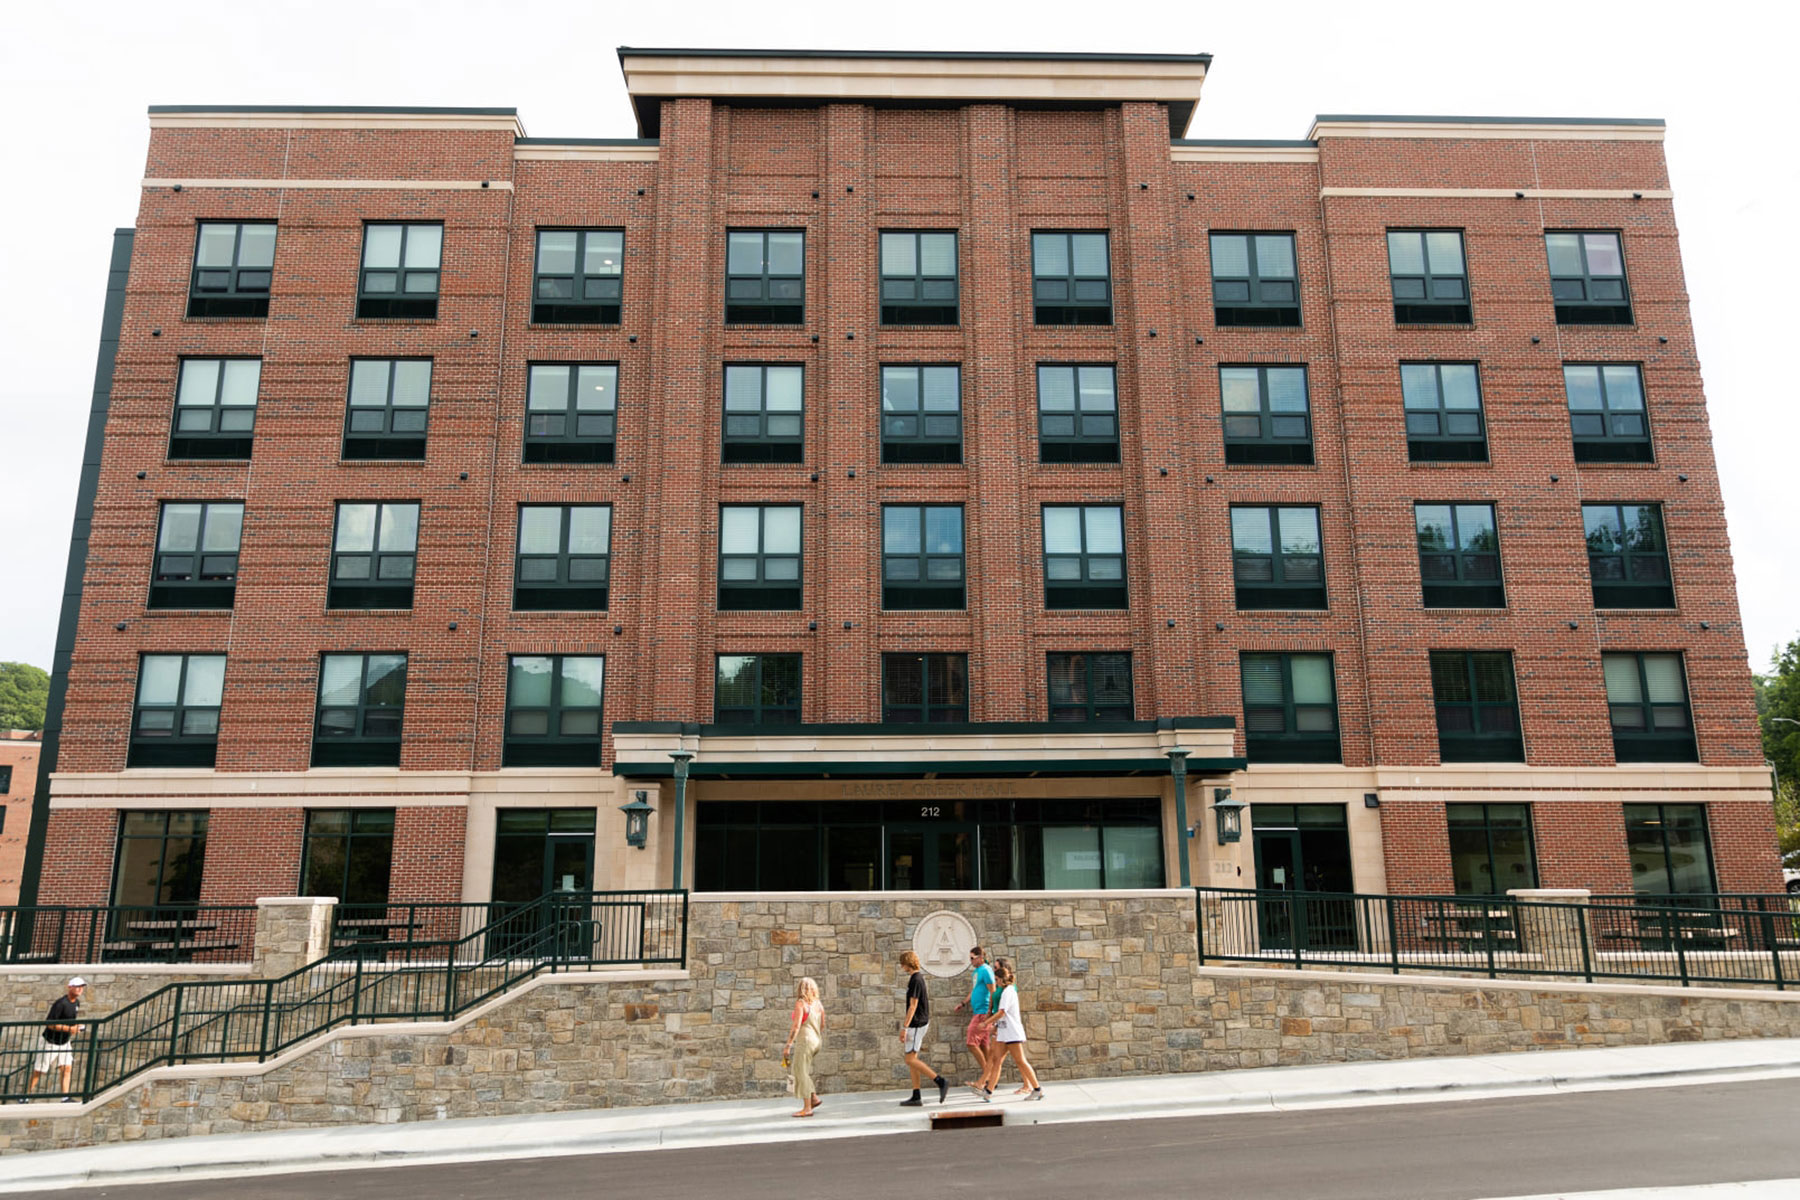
(115, 933)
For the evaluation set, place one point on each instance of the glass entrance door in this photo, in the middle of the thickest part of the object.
(1304, 849)
(538, 851)
(931, 857)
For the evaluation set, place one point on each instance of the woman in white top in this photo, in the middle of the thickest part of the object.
(1009, 1031)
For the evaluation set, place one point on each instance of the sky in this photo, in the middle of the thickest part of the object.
(77, 78)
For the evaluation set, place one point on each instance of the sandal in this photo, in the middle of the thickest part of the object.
(804, 1114)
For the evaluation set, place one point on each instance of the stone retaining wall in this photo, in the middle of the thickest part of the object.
(26, 992)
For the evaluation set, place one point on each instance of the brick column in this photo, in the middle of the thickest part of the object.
(292, 931)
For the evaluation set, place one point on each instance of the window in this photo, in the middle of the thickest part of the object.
(553, 710)
(176, 722)
(757, 689)
(1671, 854)
(1084, 556)
(1277, 572)
(1490, 848)
(215, 408)
(362, 698)
(1078, 414)
(580, 277)
(564, 561)
(1443, 412)
(1431, 284)
(922, 556)
(399, 276)
(765, 421)
(5, 783)
(160, 859)
(759, 557)
(921, 414)
(765, 277)
(1253, 279)
(349, 854)
(197, 555)
(1090, 687)
(918, 278)
(1606, 412)
(373, 555)
(1459, 556)
(571, 412)
(1071, 279)
(1477, 708)
(1646, 695)
(1628, 556)
(1290, 708)
(924, 689)
(233, 264)
(1587, 279)
(1267, 418)
(389, 398)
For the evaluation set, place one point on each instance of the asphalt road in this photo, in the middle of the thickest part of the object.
(1447, 1151)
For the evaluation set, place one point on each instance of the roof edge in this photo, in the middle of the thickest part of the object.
(344, 109)
(1656, 122)
(966, 55)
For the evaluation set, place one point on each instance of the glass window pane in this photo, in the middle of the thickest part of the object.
(1097, 389)
(781, 530)
(1230, 255)
(1238, 388)
(590, 529)
(1275, 256)
(1406, 254)
(412, 383)
(1461, 390)
(369, 382)
(548, 389)
(199, 382)
(424, 246)
(899, 254)
(942, 389)
(556, 252)
(1056, 389)
(1250, 532)
(1105, 530)
(1622, 684)
(205, 680)
(1262, 678)
(1419, 385)
(937, 254)
(743, 389)
(1662, 672)
(340, 680)
(597, 389)
(1062, 531)
(605, 253)
(1565, 253)
(943, 530)
(900, 531)
(528, 682)
(744, 254)
(1088, 252)
(224, 528)
(180, 527)
(583, 679)
(1435, 532)
(1624, 390)
(1582, 385)
(540, 530)
(386, 680)
(1312, 678)
(739, 530)
(381, 246)
(356, 527)
(1299, 530)
(782, 389)
(1049, 254)
(399, 527)
(1475, 526)
(1603, 257)
(1445, 251)
(216, 246)
(158, 678)
(1287, 389)
(899, 389)
(256, 248)
(787, 253)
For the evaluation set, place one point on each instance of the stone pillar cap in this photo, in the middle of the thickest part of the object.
(1549, 893)
(311, 901)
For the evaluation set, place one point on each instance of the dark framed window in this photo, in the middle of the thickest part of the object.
(1267, 416)
(5, 782)
(1290, 708)
(374, 554)
(1071, 278)
(922, 556)
(921, 414)
(197, 555)
(565, 558)
(1084, 556)
(1254, 279)
(215, 408)
(1277, 557)
(918, 278)
(765, 277)
(362, 700)
(176, 719)
(1628, 556)
(1670, 848)
(400, 270)
(759, 557)
(579, 278)
(1078, 413)
(765, 413)
(389, 401)
(1646, 695)
(1477, 707)
(1459, 556)
(1491, 849)
(349, 854)
(571, 412)
(924, 689)
(233, 265)
(160, 860)
(1587, 278)
(1443, 412)
(1429, 277)
(757, 689)
(1090, 687)
(1606, 412)
(553, 704)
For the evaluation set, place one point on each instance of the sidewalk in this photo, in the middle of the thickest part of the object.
(735, 1122)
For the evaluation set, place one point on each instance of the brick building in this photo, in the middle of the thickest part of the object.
(926, 444)
(19, 750)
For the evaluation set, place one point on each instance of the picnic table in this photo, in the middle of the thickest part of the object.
(1464, 927)
(180, 935)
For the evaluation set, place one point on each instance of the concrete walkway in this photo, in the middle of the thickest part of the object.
(735, 1122)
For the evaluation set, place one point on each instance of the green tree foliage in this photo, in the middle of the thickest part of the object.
(1778, 695)
(24, 690)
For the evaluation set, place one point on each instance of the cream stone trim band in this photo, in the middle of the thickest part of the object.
(410, 185)
(1238, 154)
(496, 123)
(587, 153)
(1466, 130)
(1507, 193)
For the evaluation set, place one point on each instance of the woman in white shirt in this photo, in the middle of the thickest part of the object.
(1009, 1031)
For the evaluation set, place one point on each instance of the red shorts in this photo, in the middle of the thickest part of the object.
(979, 1033)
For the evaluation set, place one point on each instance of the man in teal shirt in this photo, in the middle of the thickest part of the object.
(979, 1036)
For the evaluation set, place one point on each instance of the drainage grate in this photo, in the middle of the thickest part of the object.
(968, 1118)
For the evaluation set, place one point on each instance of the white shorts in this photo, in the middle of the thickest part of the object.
(915, 1038)
(50, 1055)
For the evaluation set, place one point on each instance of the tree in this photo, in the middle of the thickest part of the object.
(1778, 695)
(24, 690)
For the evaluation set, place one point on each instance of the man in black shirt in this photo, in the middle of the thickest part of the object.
(59, 1027)
(912, 1032)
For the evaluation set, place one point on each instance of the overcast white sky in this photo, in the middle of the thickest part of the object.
(77, 78)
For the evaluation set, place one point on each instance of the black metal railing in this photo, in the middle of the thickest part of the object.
(217, 1021)
(1693, 939)
(128, 933)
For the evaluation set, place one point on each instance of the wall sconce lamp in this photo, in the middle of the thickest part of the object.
(637, 820)
(1228, 815)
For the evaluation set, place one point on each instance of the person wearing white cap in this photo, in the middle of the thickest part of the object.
(59, 1027)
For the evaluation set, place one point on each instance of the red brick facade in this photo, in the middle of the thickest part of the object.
(20, 750)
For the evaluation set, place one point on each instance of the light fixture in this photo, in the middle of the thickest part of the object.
(637, 820)
(1371, 800)
(1228, 816)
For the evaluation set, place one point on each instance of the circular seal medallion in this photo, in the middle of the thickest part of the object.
(943, 941)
